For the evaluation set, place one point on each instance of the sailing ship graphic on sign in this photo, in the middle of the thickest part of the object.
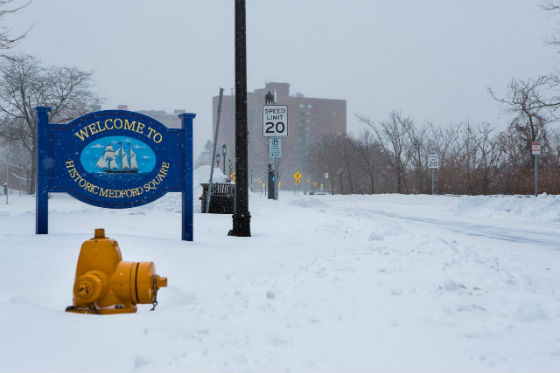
(117, 162)
(118, 155)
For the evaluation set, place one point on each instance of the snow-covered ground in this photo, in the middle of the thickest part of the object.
(326, 283)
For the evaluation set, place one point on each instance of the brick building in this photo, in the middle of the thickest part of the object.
(308, 120)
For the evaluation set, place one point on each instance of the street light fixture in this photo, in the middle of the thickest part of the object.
(224, 152)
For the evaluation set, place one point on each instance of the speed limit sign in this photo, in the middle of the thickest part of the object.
(433, 161)
(275, 120)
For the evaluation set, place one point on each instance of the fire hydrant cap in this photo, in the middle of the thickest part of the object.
(161, 282)
(99, 233)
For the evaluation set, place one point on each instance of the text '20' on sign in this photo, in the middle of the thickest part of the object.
(275, 121)
(433, 161)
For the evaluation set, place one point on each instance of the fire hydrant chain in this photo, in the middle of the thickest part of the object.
(155, 302)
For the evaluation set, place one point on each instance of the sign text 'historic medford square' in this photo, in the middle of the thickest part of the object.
(115, 159)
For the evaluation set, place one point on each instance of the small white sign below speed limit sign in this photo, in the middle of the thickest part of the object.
(275, 120)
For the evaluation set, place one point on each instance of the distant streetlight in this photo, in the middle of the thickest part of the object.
(224, 152)
(8, 164)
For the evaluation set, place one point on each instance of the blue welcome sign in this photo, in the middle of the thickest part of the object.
(114, 159)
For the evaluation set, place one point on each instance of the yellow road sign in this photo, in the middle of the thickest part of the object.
(298, 181)
(297, 175)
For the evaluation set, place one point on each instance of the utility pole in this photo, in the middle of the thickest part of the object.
(241, 216)
(211, 181)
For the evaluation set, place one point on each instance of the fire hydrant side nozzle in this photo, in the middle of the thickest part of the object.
(106, 284)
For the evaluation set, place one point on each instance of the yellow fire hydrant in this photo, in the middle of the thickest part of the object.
(105, 284)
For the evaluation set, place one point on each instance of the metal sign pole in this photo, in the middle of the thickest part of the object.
(187, 194)
(7, 185)
(433, 182)
(42, 176)
(536, 167)
(269, 100)
(276, 177)
(536, 151)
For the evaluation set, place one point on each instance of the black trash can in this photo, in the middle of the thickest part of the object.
(223, 195)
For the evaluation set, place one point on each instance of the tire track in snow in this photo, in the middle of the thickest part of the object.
(550, 239)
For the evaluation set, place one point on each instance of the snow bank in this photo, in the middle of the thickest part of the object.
(544, 208)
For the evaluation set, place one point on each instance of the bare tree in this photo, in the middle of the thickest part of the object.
(392, 137)
(445, 143)
(348, 155)
(368, 154)
(417, 156)
(7, 41)
(486, 157)
(325, 157)
(26, 83)
(552, 6)
(531, 108)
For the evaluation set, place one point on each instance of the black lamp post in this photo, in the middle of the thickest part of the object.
(241, 216)
(224, 152)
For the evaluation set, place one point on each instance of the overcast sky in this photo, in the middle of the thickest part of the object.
(431, 59)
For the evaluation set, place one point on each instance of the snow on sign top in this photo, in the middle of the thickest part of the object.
(275, 121)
